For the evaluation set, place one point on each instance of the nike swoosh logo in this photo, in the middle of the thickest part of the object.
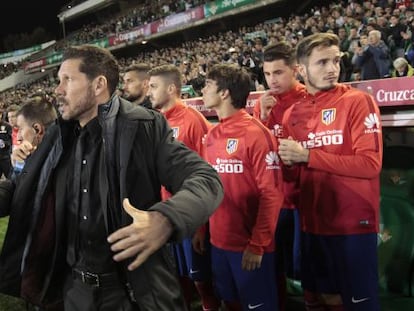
(194, 271)
(252, 307)
(359, 300)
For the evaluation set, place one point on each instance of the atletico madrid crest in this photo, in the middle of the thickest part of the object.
(232, 145)
(328, 116)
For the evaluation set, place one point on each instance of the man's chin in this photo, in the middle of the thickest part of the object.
(328, 87)
(65, 116)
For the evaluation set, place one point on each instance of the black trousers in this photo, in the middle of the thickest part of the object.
(5, 166)
(79, 296)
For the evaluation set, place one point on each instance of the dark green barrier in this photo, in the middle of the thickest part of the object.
(396, 239)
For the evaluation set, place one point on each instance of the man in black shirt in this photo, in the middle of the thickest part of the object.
(87, 227)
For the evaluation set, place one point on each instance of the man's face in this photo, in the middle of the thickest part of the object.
(363, 40)
(234, 55)
(211, 96)
(279, 76)
(373, 39)
(26, 131)
(134, 87)
(158, 92)
(75, 95)
(321, 69)
(11, 116)
(393, 21)
(401, 69)
(342, 33)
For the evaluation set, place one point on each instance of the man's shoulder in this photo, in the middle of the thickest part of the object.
(351, 91)
(133, 112)
(352, 95)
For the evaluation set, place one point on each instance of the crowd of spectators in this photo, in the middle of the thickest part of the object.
(132, 16)
(140, 14)
(9, 68)
(376, 42)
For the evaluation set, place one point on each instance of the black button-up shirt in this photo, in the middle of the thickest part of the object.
(88, 248)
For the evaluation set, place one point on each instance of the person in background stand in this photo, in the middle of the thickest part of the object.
(11, 118)
(189, 126)
(5, 149)
(242, 229)
(32, 121)
(280, 71)
(374, 59)
(88, 229)
(402, 68)
(334, 151)
(135, 84)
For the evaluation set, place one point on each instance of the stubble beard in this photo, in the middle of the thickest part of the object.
(84, 104)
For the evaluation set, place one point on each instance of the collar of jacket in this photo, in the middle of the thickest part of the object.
(110, 109)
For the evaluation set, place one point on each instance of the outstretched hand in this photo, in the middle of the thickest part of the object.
(147, 233)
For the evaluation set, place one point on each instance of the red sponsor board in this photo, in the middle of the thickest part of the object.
(35, 64)
(131, 35)
(387, 92)
(197, 103)
(177, 20)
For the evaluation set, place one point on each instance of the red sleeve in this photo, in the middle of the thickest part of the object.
(256, 110)
(289, 173)
(266, 173)
(365, 129)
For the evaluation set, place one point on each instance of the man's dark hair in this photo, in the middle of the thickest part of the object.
(170, 73)
(309, 43)
(234, 79)
(38, 110)
(141, 69)
(95, 61)
(12, 108)
(279, 51)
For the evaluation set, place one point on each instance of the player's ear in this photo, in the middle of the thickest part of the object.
(38, 128)
(301, 70)
(224, 93)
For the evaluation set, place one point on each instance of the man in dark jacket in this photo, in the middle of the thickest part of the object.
(5, 148)
(135, 84)
(87, 228)
(374, 59)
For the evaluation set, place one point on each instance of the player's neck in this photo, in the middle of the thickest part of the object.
(169, 105)
(226, 110)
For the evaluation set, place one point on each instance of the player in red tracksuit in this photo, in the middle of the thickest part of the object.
(189, 126)
(335, 151)
(279, 68)
(243, 151)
